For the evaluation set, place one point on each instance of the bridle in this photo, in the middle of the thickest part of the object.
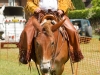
(55, 53)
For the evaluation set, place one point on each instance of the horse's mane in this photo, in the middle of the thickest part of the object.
(47, 28)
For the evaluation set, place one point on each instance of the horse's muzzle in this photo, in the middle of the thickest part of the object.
(22, 57)
(23, 61)
(45, 67)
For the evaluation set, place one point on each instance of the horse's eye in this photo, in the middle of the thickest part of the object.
(52, 43)
(37, 44)
(43, 29)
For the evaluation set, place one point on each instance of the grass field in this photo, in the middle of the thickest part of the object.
(90, 65)
(9, 64)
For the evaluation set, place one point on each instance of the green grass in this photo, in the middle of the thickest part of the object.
(9, 64)
(90, 65)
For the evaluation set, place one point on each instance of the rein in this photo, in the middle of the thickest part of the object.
(57, 53)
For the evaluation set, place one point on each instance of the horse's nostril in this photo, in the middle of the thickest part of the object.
(22, 60)
(45, 67)
(52, 43)
(45, 70)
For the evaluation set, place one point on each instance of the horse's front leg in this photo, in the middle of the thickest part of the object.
(57, 69)
(60, 70)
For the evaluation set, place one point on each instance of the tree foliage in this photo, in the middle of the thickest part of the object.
(91, 13)
(95, 3)
(78, 4)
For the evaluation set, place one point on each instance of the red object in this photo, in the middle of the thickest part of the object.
(12, 37)
(20, 20)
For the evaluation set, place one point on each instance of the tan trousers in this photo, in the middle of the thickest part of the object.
(75, 51)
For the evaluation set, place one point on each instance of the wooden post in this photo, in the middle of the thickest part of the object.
(0, 45)
(0, 50)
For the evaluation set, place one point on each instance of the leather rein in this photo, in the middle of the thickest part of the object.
(57, 53)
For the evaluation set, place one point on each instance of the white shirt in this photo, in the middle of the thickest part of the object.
(48, 4)
(76, 27)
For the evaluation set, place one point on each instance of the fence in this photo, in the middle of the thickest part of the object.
(91, 63)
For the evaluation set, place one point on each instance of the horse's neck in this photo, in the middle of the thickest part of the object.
(58, 36)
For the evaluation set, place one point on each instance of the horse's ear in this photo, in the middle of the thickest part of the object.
(56, 26)
(2, 8)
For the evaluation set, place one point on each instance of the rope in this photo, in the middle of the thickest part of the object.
(71, 66)
(70, 60)
(37, 68)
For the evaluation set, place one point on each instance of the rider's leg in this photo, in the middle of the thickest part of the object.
(73, 40)
(26, 38)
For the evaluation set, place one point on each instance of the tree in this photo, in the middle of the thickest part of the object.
(95, 3)
(78, 4)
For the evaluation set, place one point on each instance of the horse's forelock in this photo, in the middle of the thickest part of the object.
(47, 28)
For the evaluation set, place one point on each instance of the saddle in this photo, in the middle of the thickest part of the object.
(54, 19)
(49, 17)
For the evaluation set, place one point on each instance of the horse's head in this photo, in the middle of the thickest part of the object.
(2, 9)
(45, 45)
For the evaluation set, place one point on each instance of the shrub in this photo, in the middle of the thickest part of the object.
(90, 13)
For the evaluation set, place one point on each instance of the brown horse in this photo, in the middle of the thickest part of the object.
(51, 49)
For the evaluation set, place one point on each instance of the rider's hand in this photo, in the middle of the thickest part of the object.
(60, 12)
(37, 10)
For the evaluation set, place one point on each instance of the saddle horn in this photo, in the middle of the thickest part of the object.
(49, 16)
